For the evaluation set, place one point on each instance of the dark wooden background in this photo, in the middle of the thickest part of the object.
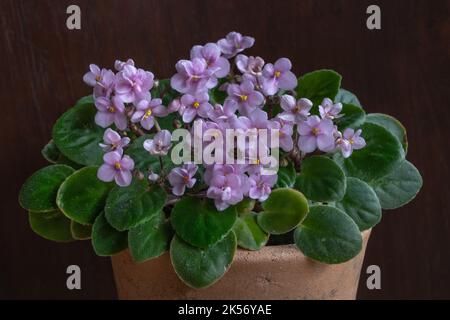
(402, 70)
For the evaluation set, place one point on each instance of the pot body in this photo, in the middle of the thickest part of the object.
(275, 272)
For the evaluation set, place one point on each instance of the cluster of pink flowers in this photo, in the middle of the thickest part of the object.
(253, 89)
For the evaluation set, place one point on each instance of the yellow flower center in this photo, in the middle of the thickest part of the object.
(148, 114)
(244, 98)
(196, 104)
(351, 141)
(111, 109)
(315, 131)
(98, 78)
(256, 161)
(117, 166)
(277, 74)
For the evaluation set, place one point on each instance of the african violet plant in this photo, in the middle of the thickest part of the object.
(113, 178)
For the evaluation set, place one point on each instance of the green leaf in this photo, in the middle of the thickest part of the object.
(283, 211)
(51, 225)
(77, 136)
(127, 207)
(150, 239)
(51, 152)
(164, 91)
(80, 231)
(328, 235)
(198, 267)
(245, 206)
(38, 193)
(249, 234)
(286, 176)
(392, 125)
(361, 204)
(399, 187)
(106, 240)
(318, 85)
(82, 196)
(353, 117)
(378, 158)
(198, 222)
(321, 179)
(345, 96)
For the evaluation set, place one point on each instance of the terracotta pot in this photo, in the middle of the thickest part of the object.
(275, 272)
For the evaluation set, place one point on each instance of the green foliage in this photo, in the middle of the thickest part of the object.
(399, 187)
(361, 204)
(199, 267)
(321, 179)
(77, 135)
(328, 235)
(106, 240)
(50, 152)
(51, 225)
(286, 176)
(378, 158)
(353, 117)
(318, 85)
(39, 191)
(198, 222)
(127, 207)
(248, 233)
(283, 211)
(345, 96)
(150, 239)
(82, 196)
(392, 125)
(80, 231)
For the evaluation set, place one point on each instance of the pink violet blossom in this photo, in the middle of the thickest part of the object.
(116, 168)
(112, 141)
(146, 110)
(247, 98)
(132, 84)
(316, 133)
(224, 113)
(182, 177)
(294, 111)
(110, 111)
(234, 43)
(193, 76)
(349, 141)
(119, 65)
(278, 76)
(330, 110)
(260, 186)
(160, 144)
(211, 53)
(194, 105)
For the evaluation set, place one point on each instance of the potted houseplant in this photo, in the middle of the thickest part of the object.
(144, 168)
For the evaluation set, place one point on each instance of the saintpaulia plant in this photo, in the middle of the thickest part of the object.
(112, 178)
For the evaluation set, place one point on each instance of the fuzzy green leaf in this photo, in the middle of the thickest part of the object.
(51, 225)
(106, 240)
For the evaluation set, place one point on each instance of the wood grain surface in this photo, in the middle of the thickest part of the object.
(402, 69)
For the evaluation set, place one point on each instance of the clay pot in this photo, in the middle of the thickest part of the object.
(274, 272)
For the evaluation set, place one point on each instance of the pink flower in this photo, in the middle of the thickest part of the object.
(247, 98)
(146, 110)
(112, 141)
(330, 110)
(350, 141)
(110, 111)
(160, 144)
(116, 168)
(133, 84)
(119, 65)
(234, 43)
(260, 186)
(294, 111)
(211, 53)
(193, 105)
(193, 76)
(180, 178)
(316, 133)
(278, 76)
